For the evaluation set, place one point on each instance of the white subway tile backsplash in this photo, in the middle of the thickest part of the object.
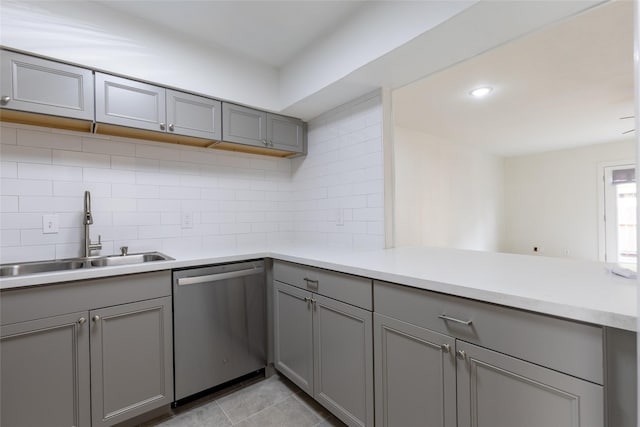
(16, 153)
(27, 253)
(9, 237)
(8, 204)
(108, 175)
(158, 205)
(50, 204)
(8, 170)
(50, 140)
(141, 190)
(76, 158)
(70, 188)
(27, 187)
(8, 136)
(100, 146)
(53, 172)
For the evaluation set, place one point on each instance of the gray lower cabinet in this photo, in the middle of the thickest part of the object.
(40, 86)
(45, 372)
(87, 353)
(415, 381)
(325, 347)
(496, 390)
(130, 363)
(448, 361)
(243, 125)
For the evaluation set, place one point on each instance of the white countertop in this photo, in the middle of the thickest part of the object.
(573, 289)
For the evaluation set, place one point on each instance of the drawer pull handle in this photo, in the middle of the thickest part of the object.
(311, 282)
(453, 319)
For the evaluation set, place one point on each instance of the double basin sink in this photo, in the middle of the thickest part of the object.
(21, 269)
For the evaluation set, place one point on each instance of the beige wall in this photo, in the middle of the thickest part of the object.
(446, 194)
(552, 200)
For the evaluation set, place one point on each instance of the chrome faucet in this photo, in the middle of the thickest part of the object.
(87, 221)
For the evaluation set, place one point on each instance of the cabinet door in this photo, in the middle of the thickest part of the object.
(343, 358)
(415, 373)
(293, 335)
(244, 125)
(129, 103)
(285, 133)
(495, 390)
(192, 115)
(131, 360)
(45, 87)
(45, 372)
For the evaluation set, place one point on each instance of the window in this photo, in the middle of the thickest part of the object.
(620, 214)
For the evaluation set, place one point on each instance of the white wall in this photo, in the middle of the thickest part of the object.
(551, 200)
(446, 194)
(90, 34)
(140, 191)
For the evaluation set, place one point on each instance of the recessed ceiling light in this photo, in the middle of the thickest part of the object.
(481, 91)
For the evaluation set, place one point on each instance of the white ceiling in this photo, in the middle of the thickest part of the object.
(270, 32)
(565, 86)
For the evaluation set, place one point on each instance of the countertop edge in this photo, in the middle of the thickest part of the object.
(563, 310)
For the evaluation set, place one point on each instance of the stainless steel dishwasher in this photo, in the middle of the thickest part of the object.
(219, 321)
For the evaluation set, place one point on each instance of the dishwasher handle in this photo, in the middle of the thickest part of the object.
(184, 281)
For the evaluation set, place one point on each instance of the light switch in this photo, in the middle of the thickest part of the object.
(50, 224)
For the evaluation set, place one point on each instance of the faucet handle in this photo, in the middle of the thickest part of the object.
(124, 250)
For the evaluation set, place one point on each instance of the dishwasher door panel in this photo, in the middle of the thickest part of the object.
(219, 325)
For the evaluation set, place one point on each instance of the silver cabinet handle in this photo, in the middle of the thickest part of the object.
(218, 276)
(309, 301)
(311, 283)
(265, 143)
(96, 318)
(171, 127)
(162, 125)
(446, 348)
(5, 99)
(453, 319)
(461, 354)
(81, 321)
(315, 305)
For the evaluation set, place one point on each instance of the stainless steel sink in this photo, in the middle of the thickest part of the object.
(112, 260)
(40, 267)
(24, 268)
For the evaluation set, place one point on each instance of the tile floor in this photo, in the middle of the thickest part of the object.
(258, 402)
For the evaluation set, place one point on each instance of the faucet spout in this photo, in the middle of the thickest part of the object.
(87, 221)
(88, 218)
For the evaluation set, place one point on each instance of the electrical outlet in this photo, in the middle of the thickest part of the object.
(50, 224)
(187, 220)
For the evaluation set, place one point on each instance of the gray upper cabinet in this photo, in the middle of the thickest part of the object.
(45, 372)
(193, 115)
(244, 125)
(496, 390)
(257, 128)
(41, 86)
(125, 102)
(286, 133)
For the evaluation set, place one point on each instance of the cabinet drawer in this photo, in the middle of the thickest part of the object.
(566, 346)
(19, 305)
(353, 290)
